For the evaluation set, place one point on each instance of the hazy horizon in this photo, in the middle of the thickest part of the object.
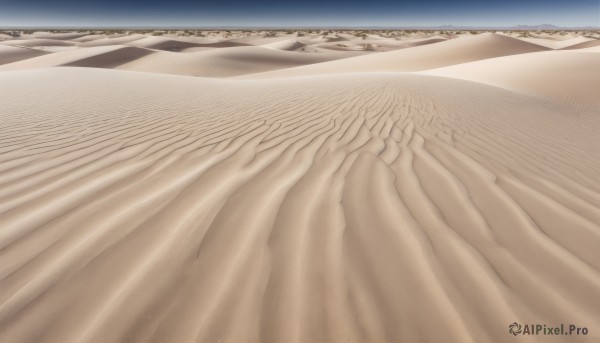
(314, 27)
(311, 13)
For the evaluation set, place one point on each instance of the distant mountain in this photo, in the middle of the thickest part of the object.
(516, 27)
(462, 27)
(536, 27)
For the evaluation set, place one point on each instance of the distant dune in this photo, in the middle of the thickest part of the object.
(557, 44)
(565, 76)
(37, 42)
(160, 43)
(294, 193)
(455, 51)
(231, 61)
(10, 54)
(98, 57)
(107, 41)
(586, 44)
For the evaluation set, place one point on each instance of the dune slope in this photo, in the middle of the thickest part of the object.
(10, 54)
(107, 41)
(568, 77)
(97, 57)
(586, 44)
(160, 43)
(347, 208)
(230, 61)
(441, 54)
(37, 42)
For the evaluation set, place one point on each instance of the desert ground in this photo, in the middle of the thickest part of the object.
(298, 186)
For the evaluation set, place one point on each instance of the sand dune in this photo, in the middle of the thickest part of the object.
(569, 77)
(311, 55)
(288, 45)
(381, 45)
(586, 44)
(160, 43)
(460, 50)
(451, 192)
(557, 44)
(262, 40)
(59, 36)
(10, 54)
(111, 59)
(98, 57)
(107, 41)
(92, 37)
(37, 42)
(342, 208)
(225, 62)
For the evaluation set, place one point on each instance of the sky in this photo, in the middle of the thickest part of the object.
(298, 13)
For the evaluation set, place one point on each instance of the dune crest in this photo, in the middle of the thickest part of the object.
(568, 77)
(10, 54)
(423, 57)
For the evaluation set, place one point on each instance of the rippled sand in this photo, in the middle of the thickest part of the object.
(437, 201)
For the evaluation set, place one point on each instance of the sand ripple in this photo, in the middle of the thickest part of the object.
(347, 208)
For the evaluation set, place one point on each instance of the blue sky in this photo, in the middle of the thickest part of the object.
(282, 13)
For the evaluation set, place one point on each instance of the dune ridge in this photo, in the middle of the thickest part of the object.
(160, 43)
(568, 77)
(423, 57)
(97, 57)
(583, 45)
(227, 62)
(10, 54)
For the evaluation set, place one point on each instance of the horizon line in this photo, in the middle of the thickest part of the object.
(301, 27)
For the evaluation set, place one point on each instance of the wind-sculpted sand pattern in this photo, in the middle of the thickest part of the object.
(346, 208)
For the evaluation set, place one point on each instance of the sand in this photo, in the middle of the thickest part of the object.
(455, 51)
(10, 54)
(569, 77)
(371, 198)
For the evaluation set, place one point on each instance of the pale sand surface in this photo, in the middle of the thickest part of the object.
(10, 54)
(566, 76)
(557, 43)
(450, 52)
(229, 61)
(586, 44)
(434, 193)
